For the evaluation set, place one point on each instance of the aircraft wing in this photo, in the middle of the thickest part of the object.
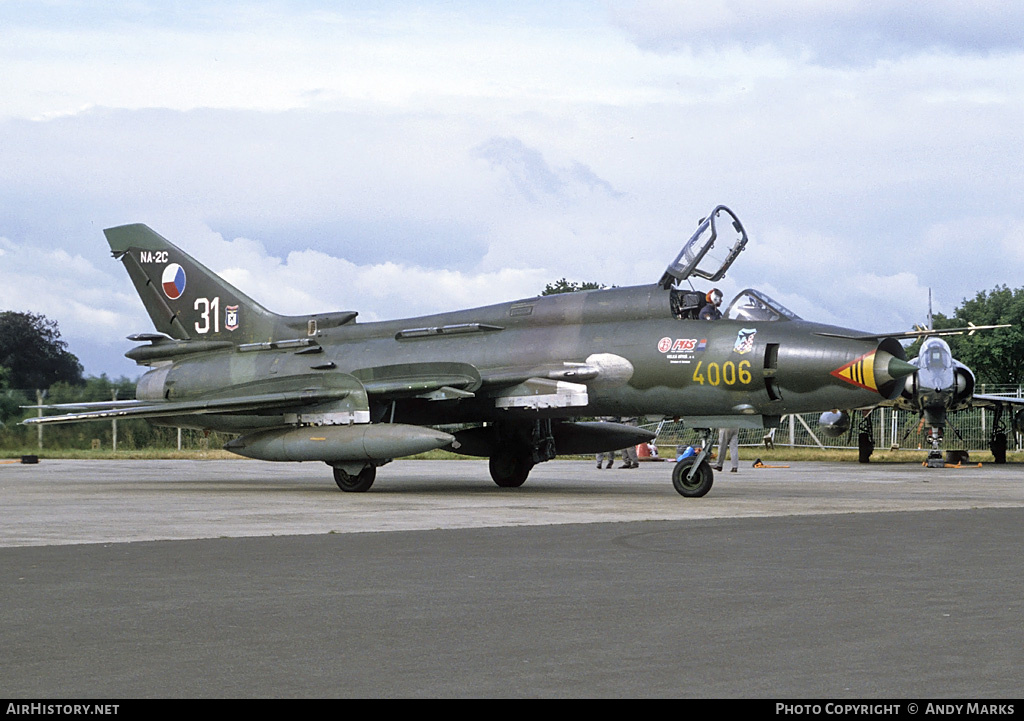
(990, 401)
(555, 385)
(969, 329)
(559, 384)
(163, 409)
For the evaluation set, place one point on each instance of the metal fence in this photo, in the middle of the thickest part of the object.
(966, 430)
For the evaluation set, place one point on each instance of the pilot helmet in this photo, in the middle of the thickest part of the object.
(714, 296)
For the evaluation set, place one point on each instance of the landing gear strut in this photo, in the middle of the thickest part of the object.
(997, 441)
(935, 457)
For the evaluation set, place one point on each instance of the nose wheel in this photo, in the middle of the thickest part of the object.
(692, 478)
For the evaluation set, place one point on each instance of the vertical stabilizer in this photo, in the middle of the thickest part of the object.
(186, 300)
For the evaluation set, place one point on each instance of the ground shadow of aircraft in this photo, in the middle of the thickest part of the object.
(940, 385)
(514, 382)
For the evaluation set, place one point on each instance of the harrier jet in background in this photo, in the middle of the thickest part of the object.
(940, 385)
(513, 382)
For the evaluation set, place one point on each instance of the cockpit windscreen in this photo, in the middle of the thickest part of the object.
(754, 305)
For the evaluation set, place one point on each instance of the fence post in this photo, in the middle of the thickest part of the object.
(40, 394)
(113, 425)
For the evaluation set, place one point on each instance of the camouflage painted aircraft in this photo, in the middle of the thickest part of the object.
(519, 377)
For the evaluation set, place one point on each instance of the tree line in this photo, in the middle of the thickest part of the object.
(35, 364)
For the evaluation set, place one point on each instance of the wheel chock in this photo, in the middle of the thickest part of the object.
(23, 459)
(759, 464)
(926, 464)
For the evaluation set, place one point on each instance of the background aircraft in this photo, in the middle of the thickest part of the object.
(511, 382)
(941, 385)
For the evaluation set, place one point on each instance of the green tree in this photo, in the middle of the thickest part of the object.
(995, 356)
(10, 400)
(33, 352)
(564, 286)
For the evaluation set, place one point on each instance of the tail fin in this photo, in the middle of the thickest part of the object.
(186, 300)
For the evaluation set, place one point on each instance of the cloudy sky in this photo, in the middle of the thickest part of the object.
(401, 158)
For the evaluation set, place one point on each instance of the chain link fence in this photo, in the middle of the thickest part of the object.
(967, 430)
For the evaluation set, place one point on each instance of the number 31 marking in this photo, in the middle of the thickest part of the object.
(208, 308)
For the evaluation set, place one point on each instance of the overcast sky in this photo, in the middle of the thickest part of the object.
(403, 158)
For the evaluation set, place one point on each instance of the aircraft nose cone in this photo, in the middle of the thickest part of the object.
(899, 368)
(889, 372)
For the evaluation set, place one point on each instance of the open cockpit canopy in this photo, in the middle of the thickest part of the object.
(698, 257)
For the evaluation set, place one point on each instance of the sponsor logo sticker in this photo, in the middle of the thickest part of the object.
(680, 350)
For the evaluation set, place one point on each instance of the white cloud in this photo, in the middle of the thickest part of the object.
(850, 33)
(403, 158)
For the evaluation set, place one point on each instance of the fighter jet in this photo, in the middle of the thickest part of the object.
(514, 382)
(939, 386)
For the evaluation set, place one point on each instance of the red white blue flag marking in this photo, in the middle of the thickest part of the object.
(173, 281)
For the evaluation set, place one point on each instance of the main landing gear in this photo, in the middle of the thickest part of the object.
(509, 469)
(359, 482)
(997, 439)
(519, 447)
(865, 439)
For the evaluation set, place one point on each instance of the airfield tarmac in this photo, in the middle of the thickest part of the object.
(244, 579)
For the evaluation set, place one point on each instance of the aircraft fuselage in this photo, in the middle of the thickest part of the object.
(648, 363)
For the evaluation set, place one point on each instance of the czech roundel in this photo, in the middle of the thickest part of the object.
(173, 281)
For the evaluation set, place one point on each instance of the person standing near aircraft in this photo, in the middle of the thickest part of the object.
(710, 310)
(729, 437)
(606, 455)
(630, 459)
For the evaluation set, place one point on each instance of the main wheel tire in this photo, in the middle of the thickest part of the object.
(697, 486)
(865, 447)
(509, 470)
(358, 483)
(998, 447)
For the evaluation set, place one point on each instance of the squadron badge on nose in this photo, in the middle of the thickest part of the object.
(744, 340)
